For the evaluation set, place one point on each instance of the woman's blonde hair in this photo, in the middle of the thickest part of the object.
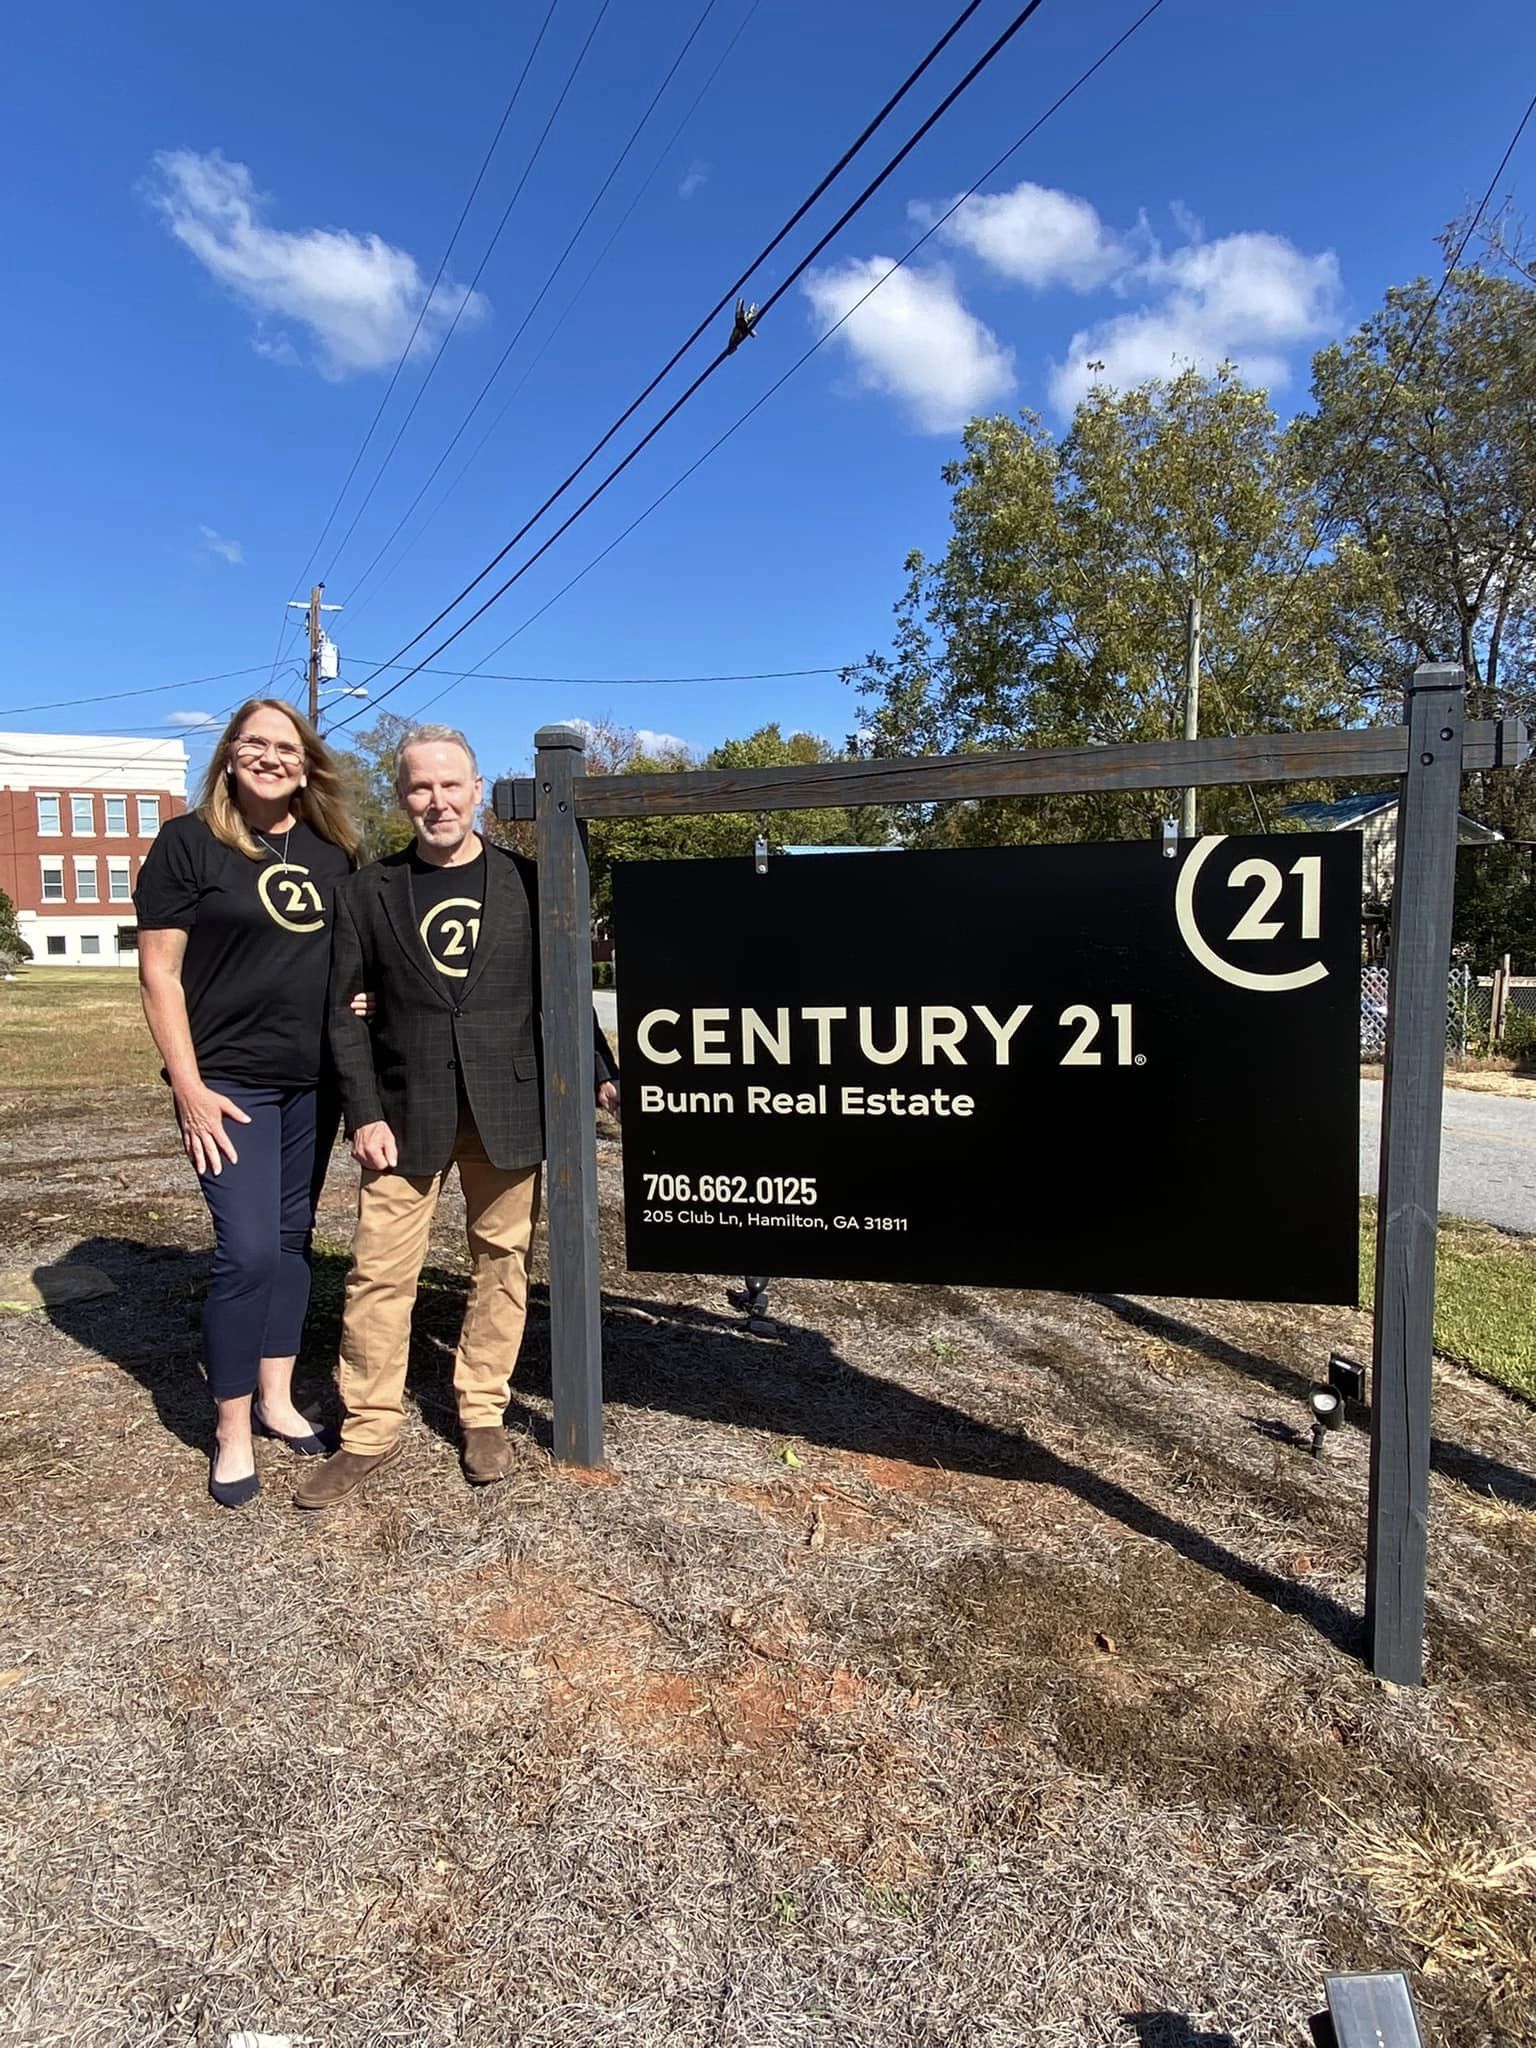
(321, 804)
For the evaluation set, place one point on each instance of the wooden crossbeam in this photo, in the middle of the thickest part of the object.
(1054, 771)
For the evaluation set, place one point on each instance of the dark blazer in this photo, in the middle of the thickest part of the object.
(428, 1035)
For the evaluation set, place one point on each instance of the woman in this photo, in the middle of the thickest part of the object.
(234, 909)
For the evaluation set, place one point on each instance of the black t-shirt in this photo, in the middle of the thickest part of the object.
(258, 946)
(447, 902)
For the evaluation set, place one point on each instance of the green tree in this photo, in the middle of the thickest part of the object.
(368, 771)
(614, 750)
(1058, 612)
(13, 947)
(733, 833)
(1423, 444)
(1495, 907)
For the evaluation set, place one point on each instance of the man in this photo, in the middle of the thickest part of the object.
(445, 936)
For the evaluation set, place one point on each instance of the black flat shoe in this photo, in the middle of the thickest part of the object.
(232, 1493)
(311, 1446)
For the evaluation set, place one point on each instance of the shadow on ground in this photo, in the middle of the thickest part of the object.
(689, 1361)
(1173, 2030)
(149, 1330)
(1453, 1461)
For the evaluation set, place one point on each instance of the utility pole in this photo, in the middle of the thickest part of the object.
(1188, 824)
(317, 643)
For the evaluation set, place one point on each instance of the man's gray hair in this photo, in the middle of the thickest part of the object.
(429, 735)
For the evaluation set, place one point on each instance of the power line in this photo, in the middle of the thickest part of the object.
(405, 353)
(151, 690)
(765, 675)
(1404, 362)
(768, 675)
(279, 652)
(886, 171)
(720, 304)
(458, 226)
(538, 356)
(544, 289)
(517, 193)
(1029, 133)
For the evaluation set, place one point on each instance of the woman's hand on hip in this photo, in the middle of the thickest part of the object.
(201, 1112)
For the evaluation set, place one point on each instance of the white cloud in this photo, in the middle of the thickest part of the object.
(1186, 220)
(914, 338)
(647, 741)
(696, 175)
(228, 550)
(1035, 235)
(193, 721)
(1243, 298)
(356, 294)
(660, 744)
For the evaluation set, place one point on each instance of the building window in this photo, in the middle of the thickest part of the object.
(86, 890)
(53, 879)
(48, 815)
(56, 945)
(127, 938)
(117, 816)
(149, 816)
(82, 816)
(119, 882)
(90, 945)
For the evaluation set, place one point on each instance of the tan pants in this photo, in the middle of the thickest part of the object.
(394, 1217)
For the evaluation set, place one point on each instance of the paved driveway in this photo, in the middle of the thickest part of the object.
(1487, 1155)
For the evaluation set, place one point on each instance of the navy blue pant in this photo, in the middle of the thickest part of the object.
(263, 1209)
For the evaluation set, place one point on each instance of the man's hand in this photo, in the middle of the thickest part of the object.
(608, 1097)
(201, 1112)
(373, 1146)
(364, 1004)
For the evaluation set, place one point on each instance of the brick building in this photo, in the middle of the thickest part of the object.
(77, 814)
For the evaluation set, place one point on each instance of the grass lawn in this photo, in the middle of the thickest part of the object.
(63, 1026)
(1485, 1295)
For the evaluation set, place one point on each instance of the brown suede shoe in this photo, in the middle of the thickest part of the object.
(340, 1475)
(486, 1456)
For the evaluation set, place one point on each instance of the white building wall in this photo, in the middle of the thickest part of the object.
(56, 760)
(68, 931)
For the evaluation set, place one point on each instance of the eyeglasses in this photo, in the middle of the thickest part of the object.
(254, 749)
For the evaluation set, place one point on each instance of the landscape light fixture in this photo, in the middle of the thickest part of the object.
(755, 1301)
(1368, 2009)
(1346, 1376)
(1327, 1413)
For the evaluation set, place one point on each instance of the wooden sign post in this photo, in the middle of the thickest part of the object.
(1408, 1205)
(1428, 753)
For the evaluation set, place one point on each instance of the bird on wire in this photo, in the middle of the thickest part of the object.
(747, 317)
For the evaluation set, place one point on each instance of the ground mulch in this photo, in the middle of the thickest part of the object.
(949, 1668)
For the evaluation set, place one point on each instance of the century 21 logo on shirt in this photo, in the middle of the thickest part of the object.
(291, 899)
(450, 931)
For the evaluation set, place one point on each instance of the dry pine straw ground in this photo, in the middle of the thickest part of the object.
(953, 1667)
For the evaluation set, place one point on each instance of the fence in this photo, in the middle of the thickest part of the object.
(1468, 1009)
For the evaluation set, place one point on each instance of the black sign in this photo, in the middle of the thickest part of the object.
(1075, 1067)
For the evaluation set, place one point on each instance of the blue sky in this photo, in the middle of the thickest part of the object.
(224, 222)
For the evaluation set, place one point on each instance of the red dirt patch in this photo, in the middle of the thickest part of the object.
(812, 1514)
